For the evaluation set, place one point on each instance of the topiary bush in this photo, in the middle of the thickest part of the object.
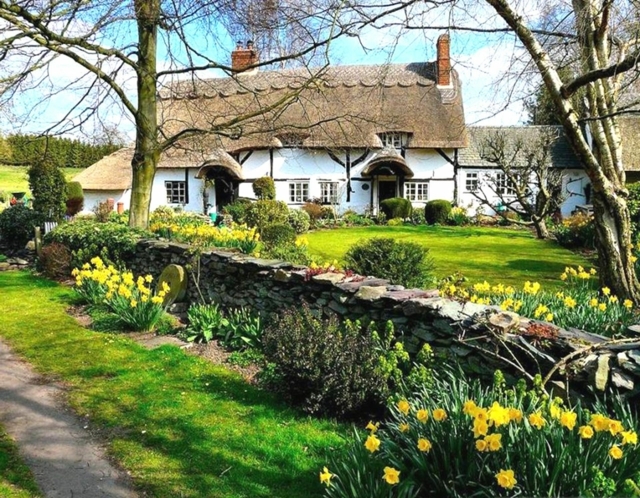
(54, 261)
(299, 220)
(278, 234)
(437, 211)
(17, 224)
(48, 186)
(113, 242)
(238, 210)
(75, 198)
(396, 207)
(403, 263)
(264, 188)
(263, 213)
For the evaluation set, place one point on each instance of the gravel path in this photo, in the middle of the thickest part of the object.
(64, 459)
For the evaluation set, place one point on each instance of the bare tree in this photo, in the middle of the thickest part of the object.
(525, 183)
(128, 51)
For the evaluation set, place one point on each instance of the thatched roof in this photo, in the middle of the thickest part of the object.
(219, 160)
(562, 155)
(338, 107)
(390, 158)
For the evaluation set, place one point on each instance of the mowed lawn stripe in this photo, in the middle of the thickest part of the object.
(180, 425)
(497, 255)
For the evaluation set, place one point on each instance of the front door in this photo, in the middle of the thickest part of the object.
(225, 193)
(386, 190)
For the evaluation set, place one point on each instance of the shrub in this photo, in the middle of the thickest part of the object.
(241, 330)
(355, 219)
(205, 322)
(54, 261)
(296, 254)
(458, 439)
(75, 198)
(17, 224)
(238, 210)
(263, 213)
(395, 222)
(278, 234)
(113, 242)
(403, 263)
(315, 211)
(576, 231)
(396, 207)
(102, 211)
(417, 217)
(437, 211)
(299, 220)
(48, 187)
(326, 367)
(458, 217)
(264, 188)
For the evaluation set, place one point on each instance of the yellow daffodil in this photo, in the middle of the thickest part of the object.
(615, 427)
(568, 420)
(325, 476)
(555, 411)
(515, 415)
(424, 445)
(391, 475)
(506, 479)
(602, 307)
(494, 441)
(422, 415)
(480, 428)
(627, 303)
(481, 445)
(498, 415)
(599, 422)
(404, 427)
(403, 406)
(537, 420)
(593, 302)
(569, 302)
(469, 407)
(372, 443)
(585, 432)
(615, 452)
(439, 415)
(629, 437)
(372, 427)
(606, 291)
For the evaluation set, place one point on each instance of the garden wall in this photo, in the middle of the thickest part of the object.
(483, 337)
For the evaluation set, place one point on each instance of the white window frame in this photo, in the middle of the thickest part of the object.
(328, 192)
(176, 191)
(298, 192)
(503, 186)
(416, 191)
(471, 181)
(397, 139)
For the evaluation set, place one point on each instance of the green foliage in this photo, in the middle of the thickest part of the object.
(5, 196)
(437, 211)
(326, 366)
(458, 217)
(48, 186)
(17, 224)
(396, 207)
(417, 217)
(62, 152)
(75, 198)
(113, 242)
(395, 222)
(238, 210)
(241, 330)
(264, 188)
(54, 261)
(246, 358)
(299, 220)
(633, 202)
(278, 234)
(314, 210)
(455, 437)
(103, 211)
(205, 322)
(267, 212)
(297, 254)
(403, 263)
(576, 231)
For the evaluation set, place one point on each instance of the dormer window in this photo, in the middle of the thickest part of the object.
(397, 139)
(292, 139)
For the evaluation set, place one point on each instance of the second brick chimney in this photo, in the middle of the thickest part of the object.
(242, 58)
(443, 75)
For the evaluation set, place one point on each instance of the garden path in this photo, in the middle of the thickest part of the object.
(65, 460)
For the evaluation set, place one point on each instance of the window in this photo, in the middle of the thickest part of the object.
(504, 186)
(329, 192)
(395, 138)
(416, 192)
(298, 192)
(471, 182)
(176, 192)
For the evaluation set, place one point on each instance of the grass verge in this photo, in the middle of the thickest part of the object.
(14, 178)
(493, 254)
(180, 425)
(16, 480)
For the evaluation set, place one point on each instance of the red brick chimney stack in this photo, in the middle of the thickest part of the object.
(242, 58)
(443, 76)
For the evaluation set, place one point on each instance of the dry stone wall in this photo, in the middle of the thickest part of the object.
(483, 337)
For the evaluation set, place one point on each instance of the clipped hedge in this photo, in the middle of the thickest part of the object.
(264, 188)
(437, 211)
(263, 213)
(278, 234)
(397, 207)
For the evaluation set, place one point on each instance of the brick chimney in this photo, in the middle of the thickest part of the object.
(443, 76)
(242, 58)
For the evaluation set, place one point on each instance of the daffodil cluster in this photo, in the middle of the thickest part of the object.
(579, 305)
(130, 298)
(206, 235)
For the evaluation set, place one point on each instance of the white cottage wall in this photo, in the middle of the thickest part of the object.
(94, 197)
(194, 189)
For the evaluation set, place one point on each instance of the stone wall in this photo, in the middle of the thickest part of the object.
(482, 336)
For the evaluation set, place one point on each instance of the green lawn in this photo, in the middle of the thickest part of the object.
(16, 480)
(14, 178)
(179, 424)
(493, 254)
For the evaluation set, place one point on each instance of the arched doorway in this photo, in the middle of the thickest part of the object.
(221, 175)
(388, 171)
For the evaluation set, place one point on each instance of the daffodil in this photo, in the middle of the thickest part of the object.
(391, 475)
(506, 479)
(439, 414)
(629, 437)
(424, 445)
(372, 443)
(422, 415)
(325, 476)
(537, 420)
(585, 432)
(403, 406)
(404, 427)
(615, 452)
(372, 427)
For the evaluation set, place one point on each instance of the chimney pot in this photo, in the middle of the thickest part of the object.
(443, 63)
(242, 58)
(250, 45)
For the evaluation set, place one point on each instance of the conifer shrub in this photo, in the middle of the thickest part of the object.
(75, 198)
(48, 186)
(264, 188)
(437, 211)
(403, 263)
(396, 207)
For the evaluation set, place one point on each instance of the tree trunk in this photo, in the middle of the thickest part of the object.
(541, 227)
(147, 154)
